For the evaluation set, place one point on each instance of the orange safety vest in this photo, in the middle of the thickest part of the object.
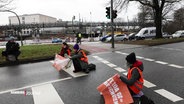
(84, 57)
(69, 52)
(138, 85)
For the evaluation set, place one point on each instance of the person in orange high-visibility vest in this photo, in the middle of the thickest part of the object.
(65, 50)
(134, 78)
(80, 60)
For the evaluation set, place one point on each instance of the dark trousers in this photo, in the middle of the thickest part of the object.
(77, 65)
(15, 53)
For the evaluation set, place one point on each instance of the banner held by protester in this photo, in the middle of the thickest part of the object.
(115, 91)
(60, 62)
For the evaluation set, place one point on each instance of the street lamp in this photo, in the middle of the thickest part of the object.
(19, 30)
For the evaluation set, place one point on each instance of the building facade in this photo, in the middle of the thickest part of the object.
(31, 19)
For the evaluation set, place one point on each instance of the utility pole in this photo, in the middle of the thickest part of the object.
(112, 23)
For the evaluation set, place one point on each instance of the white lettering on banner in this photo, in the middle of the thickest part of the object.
(114, 90)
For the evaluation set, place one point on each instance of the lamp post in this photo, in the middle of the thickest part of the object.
(19, 30)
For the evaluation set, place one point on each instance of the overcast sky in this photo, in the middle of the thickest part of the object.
(65, 9)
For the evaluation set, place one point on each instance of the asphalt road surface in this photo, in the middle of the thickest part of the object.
(40, 83)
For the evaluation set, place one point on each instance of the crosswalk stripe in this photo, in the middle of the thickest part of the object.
(161, 62)
(58, 80)
(120, 69)
(148, 84)
(139, 57)
(125, 73)
(47, 95)
(176, 66)
(168, 95)
(105, 62)
(70, 71)
(111, 65)
(148, 59)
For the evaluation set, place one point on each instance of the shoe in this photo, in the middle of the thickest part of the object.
(87, 71)
(75, 71)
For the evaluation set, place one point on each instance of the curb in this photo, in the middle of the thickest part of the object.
(9, 63)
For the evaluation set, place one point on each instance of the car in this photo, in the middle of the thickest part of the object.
(166, 35)
(120, 37)
(103, 39)
(56, 40)
(131, 36)
(179, 33)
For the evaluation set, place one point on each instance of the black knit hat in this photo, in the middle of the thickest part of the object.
(131, 58)
(65, 43)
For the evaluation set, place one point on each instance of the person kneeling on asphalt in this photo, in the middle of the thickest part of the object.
(65, 50)
(80, 60)
(12, 49)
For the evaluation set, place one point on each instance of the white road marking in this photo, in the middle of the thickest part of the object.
(148, 59)
(125, 73)
(139, 57)
(105, 62)
(168, 95)
(58, 80)
(98, 58)
(48, 95)
(176, 66)
(120, 69)
(111, 65)
(121, 53)
(148, 84)
(161, 62)
(70, 71)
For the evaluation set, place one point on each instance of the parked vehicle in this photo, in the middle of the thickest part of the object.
(103, 39)
(121, 37)
(148, 32)
(166, 35)
(56, 40)
(178, 34)
(131, 36)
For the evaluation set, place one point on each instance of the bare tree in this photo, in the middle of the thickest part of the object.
(179, 18)
(145, 16)
(4, 4)
(157, 6)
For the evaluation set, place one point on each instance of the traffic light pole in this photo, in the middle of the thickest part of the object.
(112, 23)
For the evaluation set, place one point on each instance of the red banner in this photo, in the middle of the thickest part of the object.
(115, 91)
(60, 62)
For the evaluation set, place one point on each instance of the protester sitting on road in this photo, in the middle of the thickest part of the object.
(12, 49)
(80, 60)
(65, 50)
(134, 78)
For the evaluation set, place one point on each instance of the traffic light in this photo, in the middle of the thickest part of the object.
(108, 12)
(114, 14)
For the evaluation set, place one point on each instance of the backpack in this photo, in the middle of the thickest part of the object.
(91, 67)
